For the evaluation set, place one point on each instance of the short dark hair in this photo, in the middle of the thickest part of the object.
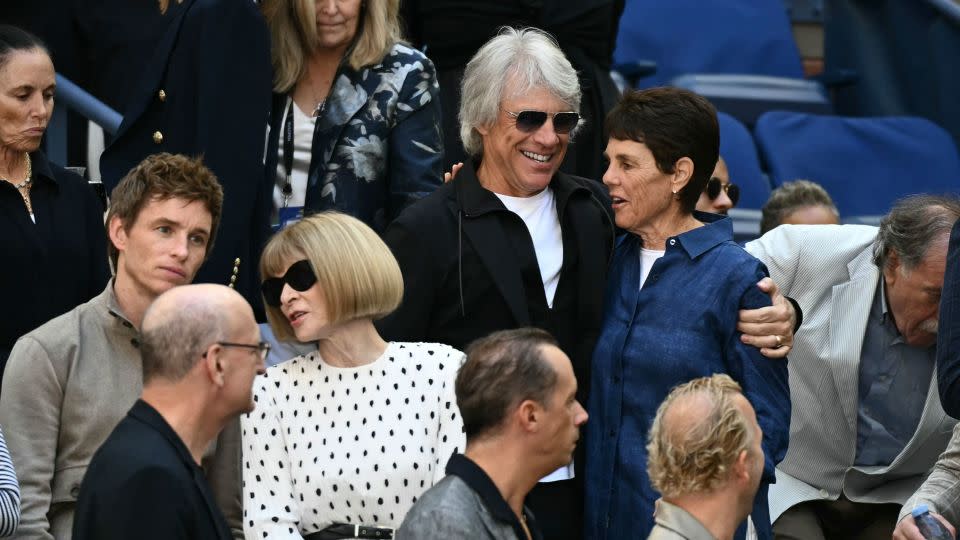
(501, 371)
(913, 224)
(14, 39)
(160, 177)
(673, 123)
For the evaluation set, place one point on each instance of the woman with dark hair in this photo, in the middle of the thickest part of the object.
(676, 285)
(355, 122)
(54, 244)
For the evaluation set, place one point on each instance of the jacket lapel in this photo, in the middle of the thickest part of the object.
(847, 327)
(151, 79)
(347, 97)
(478, 209)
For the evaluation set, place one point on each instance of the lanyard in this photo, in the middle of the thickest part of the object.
(287, 187)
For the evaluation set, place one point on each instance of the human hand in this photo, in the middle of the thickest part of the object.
(769, 328)
(449, 176)
(907, 528)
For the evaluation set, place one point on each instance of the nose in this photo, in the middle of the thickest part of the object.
(723, 201)
(608, 177)
(41, 108)
(180, 248)
(545, 134)
(287, 294)
(580, 417)
(327, 6)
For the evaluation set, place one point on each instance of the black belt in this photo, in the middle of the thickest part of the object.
(338, 531)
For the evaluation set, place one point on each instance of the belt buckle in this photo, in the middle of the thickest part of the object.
(356, 530)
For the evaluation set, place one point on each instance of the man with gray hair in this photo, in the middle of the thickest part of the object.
(201, 350)
(867, 423)
(705, 458)
(518, 399)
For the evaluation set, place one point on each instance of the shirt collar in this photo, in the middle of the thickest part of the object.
(476, 478)
(678, 520)
(40, 168)
(476, 199)
(716, 230)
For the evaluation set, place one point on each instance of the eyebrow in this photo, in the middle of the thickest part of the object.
(167, 221)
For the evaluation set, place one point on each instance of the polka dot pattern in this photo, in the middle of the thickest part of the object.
(353, 445)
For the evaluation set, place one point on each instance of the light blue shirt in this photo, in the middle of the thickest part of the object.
(894, 379)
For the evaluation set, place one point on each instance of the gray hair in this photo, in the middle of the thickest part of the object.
(790, 197)
(522, 59)
(175, 338)
(914, 223)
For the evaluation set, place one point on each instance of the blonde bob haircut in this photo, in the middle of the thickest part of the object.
(293, 36)
(356, 271)
(691, 450)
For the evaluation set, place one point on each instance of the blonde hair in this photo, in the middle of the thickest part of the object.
(293, 36)
(356, 271)
(694, 453)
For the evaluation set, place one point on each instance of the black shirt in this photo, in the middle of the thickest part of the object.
(462, 467)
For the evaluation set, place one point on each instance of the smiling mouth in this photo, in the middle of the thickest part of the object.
(296, 316)
(539, 158)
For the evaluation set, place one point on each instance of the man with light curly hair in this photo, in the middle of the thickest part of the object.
(705, 459)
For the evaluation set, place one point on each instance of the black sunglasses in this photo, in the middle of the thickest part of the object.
(528, 121)
(714, 185)
(299, 276)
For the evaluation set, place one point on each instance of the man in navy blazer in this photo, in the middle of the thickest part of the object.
(201, 350)
(206, 91)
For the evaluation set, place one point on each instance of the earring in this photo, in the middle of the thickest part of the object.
(676, 196)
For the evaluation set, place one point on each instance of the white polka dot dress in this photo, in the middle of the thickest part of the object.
(350, 445)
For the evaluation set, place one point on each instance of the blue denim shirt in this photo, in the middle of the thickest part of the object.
(681, 325)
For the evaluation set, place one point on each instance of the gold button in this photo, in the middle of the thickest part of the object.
(233, 279)
(157, 137)
(162, 95)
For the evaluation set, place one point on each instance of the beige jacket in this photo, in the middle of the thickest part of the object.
(66, 386)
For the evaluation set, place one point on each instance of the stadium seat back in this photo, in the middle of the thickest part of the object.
(740, 153)
(864, 163)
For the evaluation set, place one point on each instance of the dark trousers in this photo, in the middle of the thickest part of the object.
(842, 519)
(558, 507)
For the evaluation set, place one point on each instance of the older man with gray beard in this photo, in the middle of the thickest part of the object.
(867, 423)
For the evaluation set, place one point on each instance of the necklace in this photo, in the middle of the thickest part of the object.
(24, 187)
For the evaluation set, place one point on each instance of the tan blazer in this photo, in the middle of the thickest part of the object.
(829, 270)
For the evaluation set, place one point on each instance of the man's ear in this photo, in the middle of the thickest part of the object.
(213, 364)
(740, 471)
(682, 173)
(529, 415)
(118, 233)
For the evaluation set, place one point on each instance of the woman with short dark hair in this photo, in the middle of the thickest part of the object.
(677, 282)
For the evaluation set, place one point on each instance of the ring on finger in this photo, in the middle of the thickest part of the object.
(779, 341)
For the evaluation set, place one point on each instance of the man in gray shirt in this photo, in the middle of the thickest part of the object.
(517, 395)
(705, 459)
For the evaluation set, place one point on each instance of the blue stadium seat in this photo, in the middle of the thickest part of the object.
(717, 48)
(864, 163)
(740, 153)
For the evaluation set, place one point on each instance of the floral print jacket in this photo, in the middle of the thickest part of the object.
(378, 145)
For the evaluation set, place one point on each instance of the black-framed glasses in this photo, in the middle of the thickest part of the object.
(714, 185)
(300, 276)
(263, 348)
(527, 121)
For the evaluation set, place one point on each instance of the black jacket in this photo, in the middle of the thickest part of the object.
(213, 67)
(54, 265)
(143, 483)
(461, 252)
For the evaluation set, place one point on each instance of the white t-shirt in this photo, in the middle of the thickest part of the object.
(647, 258)
(303, 126)
(539, 213)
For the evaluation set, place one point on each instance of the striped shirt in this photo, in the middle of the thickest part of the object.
(9, 493)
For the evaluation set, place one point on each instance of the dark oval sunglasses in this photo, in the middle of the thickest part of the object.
(714, 185)
(300, 276)
(527, 121)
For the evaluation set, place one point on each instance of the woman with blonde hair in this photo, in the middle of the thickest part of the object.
(355, 122)
(344, 439)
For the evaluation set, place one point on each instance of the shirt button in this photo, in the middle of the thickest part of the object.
(824, 494)
(613, 433)
(157, 137)
(75, 491)
(162, 95)
(673, 241)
